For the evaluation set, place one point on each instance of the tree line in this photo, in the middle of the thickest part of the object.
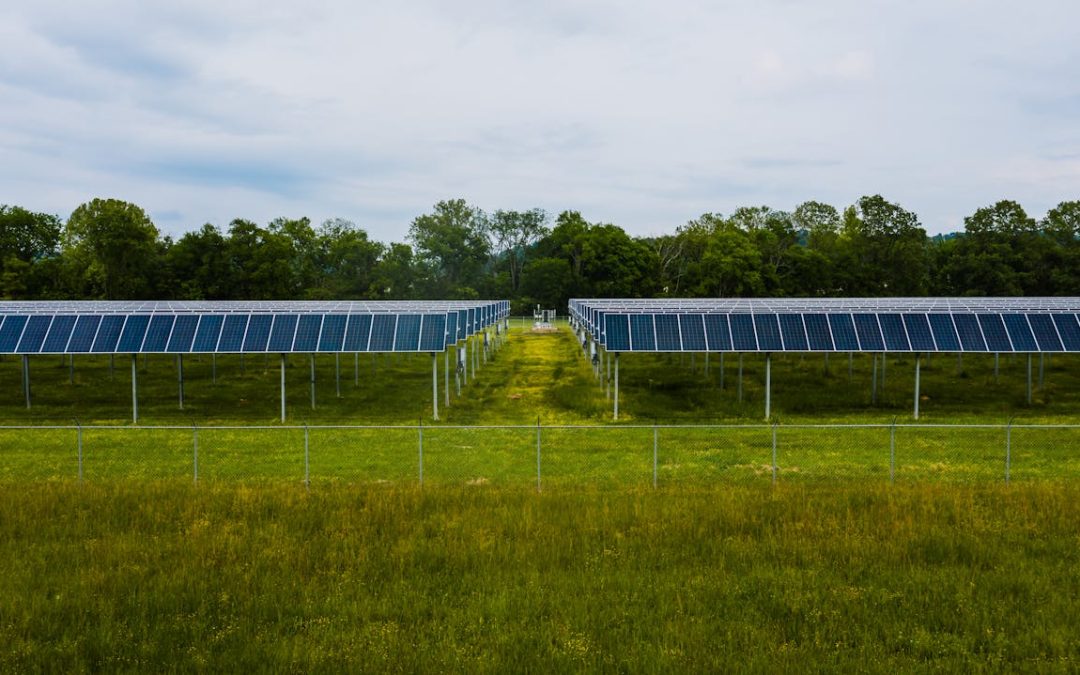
(111, 249)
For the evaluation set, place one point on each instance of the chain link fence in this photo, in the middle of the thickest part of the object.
(558, 456)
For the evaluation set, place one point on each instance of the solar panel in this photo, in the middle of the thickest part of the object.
(642, 333)
(667, 333)
(1045, 332)
(1020, 333)
(382, 333)
(108, 334)
(1069, 330)
(893, 332)
(258, 332)
(232, 333)
(10, 332)
(967, 327)
(357, 332)
(131, 338)
(208, 332)
(843, 332)
(307, 333)
(59, 334)
(433, 332)
(793, 332)
(183, 333)
(462, 325)
(282, 333)
(717, 333)
(692, 329)
(993, 329)
(407, 338)
(451, 328)
(944, 332)
(768, 333)
(618, 332)
(743, 337)
(34, 334)
(918, 331)
(82, 338)
(157, 335)
(866, 327)
(819, 338)
(333, 332)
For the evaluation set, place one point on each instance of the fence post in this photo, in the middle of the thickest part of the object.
(420, 440)
(307, 463)
(195, 443)
(538, 453)
(1008, 450)
(655, 443)
(774, 467)
(78, 439)
(892, 452)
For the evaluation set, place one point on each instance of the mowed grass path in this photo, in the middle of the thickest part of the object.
(143, 577)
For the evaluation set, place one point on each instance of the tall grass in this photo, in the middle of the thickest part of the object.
(152, 576)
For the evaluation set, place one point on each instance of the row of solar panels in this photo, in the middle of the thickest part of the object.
(489, 311)
(841, 332)
(234, 333)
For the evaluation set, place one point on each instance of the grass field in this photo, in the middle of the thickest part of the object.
(145, 577)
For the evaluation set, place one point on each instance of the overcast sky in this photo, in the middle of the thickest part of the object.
(644, 114)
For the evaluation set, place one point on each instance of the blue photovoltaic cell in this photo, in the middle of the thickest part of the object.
(108, 334)
(206, 337)
(892, 329)
(408, 333)
(1020, 333)
(258, 332)
(944, 332)
(618, 335)
(866, 326)
(433, 333)
(357, 332)
(717, 332)
(472, 322)
(692, 327)
(817, 332)
(82, 338)
(157, 335)
(462, 325)
(307, 333)
(451, 328)
(10, 332)
(768, 333)
(59, 334)
(918, 330)
(642, 335)
(993, 328)
(667, 333)
(333, 333)
(131, 338)
(382, 333)
(601, 334)
(843, 333)
(742, 333)
(183, 333)
(282, 333)
(34, 334)
(1069, 330)
(232, 333)
(1045, 333)
(793, 332)
(967, 327)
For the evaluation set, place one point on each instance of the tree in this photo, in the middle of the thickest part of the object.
(200, 262)
(27, 241)
(345, 260)
(395, 274)
(451, 244)
(887, 249)
(113, 244)
(512, 233)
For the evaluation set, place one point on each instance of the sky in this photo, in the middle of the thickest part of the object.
(642, 114)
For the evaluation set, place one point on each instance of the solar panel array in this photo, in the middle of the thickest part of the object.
(1023, 325)
(205, 327)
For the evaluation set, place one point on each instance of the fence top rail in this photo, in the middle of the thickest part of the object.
(517, 427)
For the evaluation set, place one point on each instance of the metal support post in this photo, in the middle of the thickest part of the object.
(446, 377)
(26, 379)
(307, 458)
(134, 389)
(213, 369)
(180, 378)
(465, 362)
(312, 381)
(655, 445)
(768, 385)
(434, 387)
(607, 375)
(337, 374)
(883, 360)
(78, 440)
(283, 388)
(892, 451)
(474, 358)
(616, 386)
(917, 368)
(1008, 451)
(420, 442)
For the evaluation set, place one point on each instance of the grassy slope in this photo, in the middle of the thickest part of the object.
(150, 577)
